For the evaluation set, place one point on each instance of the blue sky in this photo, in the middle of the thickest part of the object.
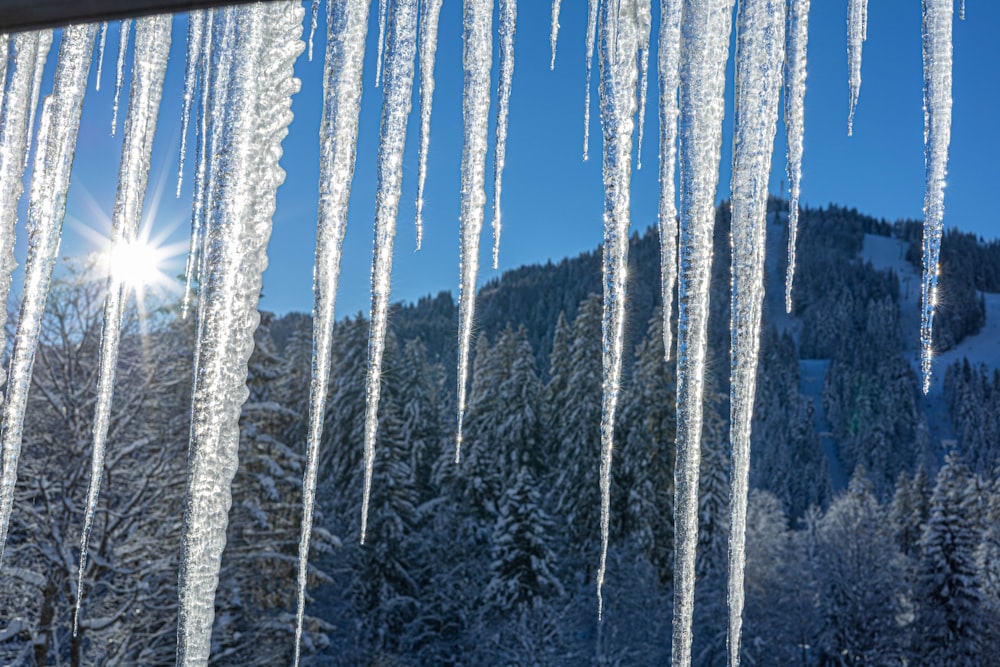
(552, 199)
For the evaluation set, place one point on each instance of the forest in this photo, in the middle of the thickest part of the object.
(871, 540)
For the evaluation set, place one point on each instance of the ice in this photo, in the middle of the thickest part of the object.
(795, 94)
(313, 21)
(645, 26)
(554, 32)
(477, 59)
(347, 28)
(57, 133)
(430, 12)
(268, 39)
(152, 49)
(100, 55)
(14, 142)
(857, 32)
(126, 27)
(508, 27)
(760, 52)
(668, 62)
(704, 51)
(961, 10)
(591, 39)
(937, 24)
(397, 93)
(5, 52)
(41, 56)
(620, 26)
(195, 35)
(382, 12)
(202, 190)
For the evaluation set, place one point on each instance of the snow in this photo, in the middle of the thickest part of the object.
(396, 103)
(759, 56)
(705, 34)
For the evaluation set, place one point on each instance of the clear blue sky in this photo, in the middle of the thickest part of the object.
(552, 200)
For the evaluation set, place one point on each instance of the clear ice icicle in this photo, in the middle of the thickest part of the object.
(795, 96)
(313, 22)
(620, 26)
(645, 26)
(668, 63)
(937, 48)
(397, 93)
(5, 52)
(508, 27)
(152, 49)
(347, 28)
(268, 39)
(554, 31)
(591, 40)
(41, 56)
(195, 35)
(126, 27)
(383, 8)
(477, 59)
(857, 32)
(760, 51)
(430, 12)
(961, 10)
(100, 55)
(705, 33)
(57, 134)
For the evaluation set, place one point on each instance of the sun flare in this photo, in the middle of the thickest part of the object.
(137, 263)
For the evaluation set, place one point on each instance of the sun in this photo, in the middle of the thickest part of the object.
(137, 263)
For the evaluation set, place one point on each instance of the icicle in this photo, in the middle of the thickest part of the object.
(937, 24)
(195, 35)
(314, 21)
(621, 27)
(268, 39)
(396, 103)
(100, 55)
(347, 28)
(152, 49)
(46, 209)
(591, 39)
(382, 10)
(430, 12)
(669, 56)
(760, 51)
(477, 56)
(704, 51)
(212, 103)
(14, 143)
(961, 10)
(126, 26)
(554, 32)
(795, 94)
(4, 58)
(508, 26)
(41, 56)
(645, 26)
(857, 32)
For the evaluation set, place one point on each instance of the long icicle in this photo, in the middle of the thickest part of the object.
(313, 22)
(477, 58)
(57, 134)
(152, 49)
(383, 8)
(705, 33)
(857, 32)
(397, 93)
(796, 41)
(591, 40)
(14, 143)
(347, 28)
(554, 32)
(620, 27)
(937, 48)
(42, 55)
(668, 64)
(126, 27)
(508, 27)
(430, 13)
(195, 36)
(760, 52)
(100, 55)
(209, 94)
(645, 27)
(268, 40)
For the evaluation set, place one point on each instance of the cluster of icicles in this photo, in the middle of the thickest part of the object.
(238, 84)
